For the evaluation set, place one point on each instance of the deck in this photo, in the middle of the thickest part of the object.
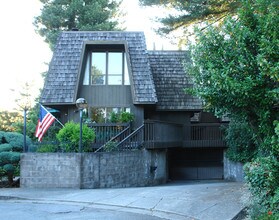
(158, 134)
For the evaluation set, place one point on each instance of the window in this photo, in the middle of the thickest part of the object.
(98, 68)
(106, 68)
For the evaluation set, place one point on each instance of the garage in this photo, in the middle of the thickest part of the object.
(195, 163)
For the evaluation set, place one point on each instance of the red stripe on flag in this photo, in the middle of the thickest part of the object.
(43, 125)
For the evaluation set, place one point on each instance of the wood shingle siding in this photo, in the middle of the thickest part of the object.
(170, 81)
(61, 85)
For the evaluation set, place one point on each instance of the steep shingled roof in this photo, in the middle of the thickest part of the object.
(63, 75)
(170, 79)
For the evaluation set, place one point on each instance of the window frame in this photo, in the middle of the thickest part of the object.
(106, 48)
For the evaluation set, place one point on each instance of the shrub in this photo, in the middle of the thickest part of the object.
(122, 117)
(114, 117)
(262, 176)
(16, 140)
(126, 117)
(275, 140)
(11, 144)
(9, 158)
(69, 137)
(8, 163)
(47, 148)
(5, 147)
(240, 141)
(110, 146)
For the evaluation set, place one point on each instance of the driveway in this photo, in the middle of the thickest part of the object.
(212, 200)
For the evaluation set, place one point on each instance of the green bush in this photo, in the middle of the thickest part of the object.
(240, 141)
(121, 117)
(11, 144)
(2, 137)
(275, 140)
(47, 148)
(9, 168)
(126, 117)
(110, 146)
(16, 140)
(9, 158)
(114, 117)
(262, 176)
(5, 147)
(69, 137)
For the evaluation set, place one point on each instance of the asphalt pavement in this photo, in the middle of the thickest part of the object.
(211, 200)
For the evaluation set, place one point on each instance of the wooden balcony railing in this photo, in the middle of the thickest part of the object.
(204, 135)
(159, 134)
(133, 141)
(106, 131)
(153, 134)
(117, 138)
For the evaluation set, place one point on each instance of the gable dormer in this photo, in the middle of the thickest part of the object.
(65, 75)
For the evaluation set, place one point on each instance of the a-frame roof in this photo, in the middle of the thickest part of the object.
(171, 80)
(61, 84)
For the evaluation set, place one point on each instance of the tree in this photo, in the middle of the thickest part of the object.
(85, 15)
(24, 102)
(235, 67)
(192, 12)
(9, 119)
(235, 71)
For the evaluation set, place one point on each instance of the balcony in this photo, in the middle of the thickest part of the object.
(158, 134)
(205, 135)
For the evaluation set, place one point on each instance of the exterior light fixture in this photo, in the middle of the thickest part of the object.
(81, 104)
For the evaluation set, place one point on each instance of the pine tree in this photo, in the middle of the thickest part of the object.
(191, 12)
(84, 15)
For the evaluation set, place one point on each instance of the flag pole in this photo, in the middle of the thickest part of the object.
(52, 115)
(24, 131)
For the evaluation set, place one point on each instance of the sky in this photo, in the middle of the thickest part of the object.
(24, 54)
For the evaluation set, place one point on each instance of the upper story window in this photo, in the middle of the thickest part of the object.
(106, 68)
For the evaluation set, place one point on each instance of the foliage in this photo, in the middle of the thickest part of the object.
(47, 148)
(126, 117)
(191, 12)
(8, 119)
(275, 139)
(9, 158)
(235, 71)
(23, 101)
(14, 139)
(110, 146)
(97, 115)
(235, 68)
(5, 147)
(11, 145)
(69, 137)
(24, 96)
(31, 124)
(114, 117)
(57, 16)
(262, 176)
(240, 141)
(121, 117)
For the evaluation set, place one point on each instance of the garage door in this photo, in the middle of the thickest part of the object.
(195, 163)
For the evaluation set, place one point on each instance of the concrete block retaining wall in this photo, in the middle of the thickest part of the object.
(93, 170)
(233, 170)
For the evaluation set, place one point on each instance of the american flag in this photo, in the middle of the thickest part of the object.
(44, 122)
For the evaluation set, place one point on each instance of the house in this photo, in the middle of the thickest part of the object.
(113, 71)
